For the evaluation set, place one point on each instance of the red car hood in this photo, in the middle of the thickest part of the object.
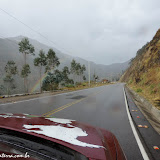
(92, 142)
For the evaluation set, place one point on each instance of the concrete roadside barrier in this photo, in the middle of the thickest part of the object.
(151, 113)
(147, 104)
(16, 95)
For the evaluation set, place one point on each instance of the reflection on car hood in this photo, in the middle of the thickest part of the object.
(92, 142)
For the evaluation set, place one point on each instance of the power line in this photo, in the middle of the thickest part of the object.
(32, 29)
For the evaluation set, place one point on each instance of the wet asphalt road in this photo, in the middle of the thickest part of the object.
(103, 107)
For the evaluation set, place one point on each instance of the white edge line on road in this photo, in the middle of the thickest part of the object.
(140, 145)
(46, 96)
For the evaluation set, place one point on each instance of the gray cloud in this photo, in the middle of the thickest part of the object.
(104, 31)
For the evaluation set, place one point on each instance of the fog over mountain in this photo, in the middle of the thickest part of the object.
(103, 31)
(9, 50)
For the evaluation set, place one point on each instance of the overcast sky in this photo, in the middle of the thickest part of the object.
(103, 31)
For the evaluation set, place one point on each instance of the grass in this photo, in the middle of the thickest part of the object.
(139, 90)
(148, 92)
(149, 86)
(84, 85)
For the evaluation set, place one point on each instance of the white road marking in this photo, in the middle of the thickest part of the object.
(47, 96)
(140, 145)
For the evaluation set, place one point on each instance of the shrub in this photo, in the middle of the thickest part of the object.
(69, 85)
(152, 86)
(78, 83)
(130, 82)
(139, 90)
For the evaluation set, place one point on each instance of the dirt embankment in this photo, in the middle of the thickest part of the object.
(143, 75)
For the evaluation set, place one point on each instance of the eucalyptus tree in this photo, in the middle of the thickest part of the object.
(52, 80)
(73, 69)
(8, 80)
(84, 78)
(2, 88)
(47, 83)
(65, 74)
(26, 49)
(40, 61)
(52, 61)
(78, 70)
(11, 70)
(58, 77)
(24, 74)
(66, 70)
(82, 70)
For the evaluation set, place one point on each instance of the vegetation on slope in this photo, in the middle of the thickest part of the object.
(9, 50)
(143, 75)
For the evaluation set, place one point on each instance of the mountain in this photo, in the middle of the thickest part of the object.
(144, 71)
(9, 50)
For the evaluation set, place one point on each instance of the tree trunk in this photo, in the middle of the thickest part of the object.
(40, 79)
(7, 89)
(74, 79)
(24, 85)
(25, 79)
(24, 58)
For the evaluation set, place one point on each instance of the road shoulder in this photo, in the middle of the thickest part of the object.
(149, 111)
(27, 97)
(147, 133)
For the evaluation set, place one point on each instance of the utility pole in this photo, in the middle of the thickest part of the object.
(89, 73)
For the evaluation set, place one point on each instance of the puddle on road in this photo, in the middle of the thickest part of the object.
(77, 97)
(69, 94)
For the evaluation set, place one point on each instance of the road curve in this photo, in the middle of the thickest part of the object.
(103, 107)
